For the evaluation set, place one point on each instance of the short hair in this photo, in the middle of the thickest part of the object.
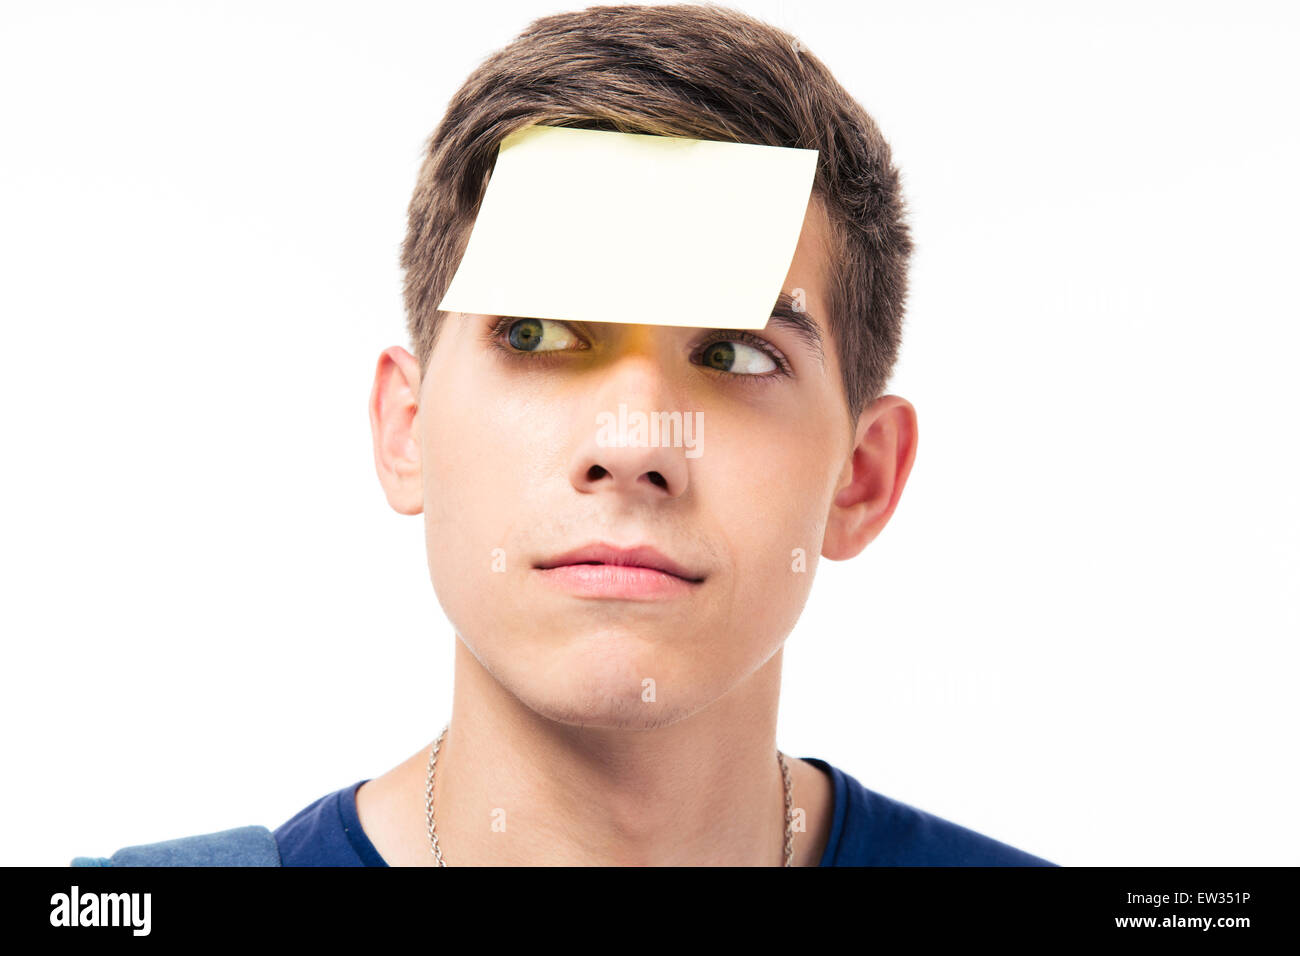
(696, 71)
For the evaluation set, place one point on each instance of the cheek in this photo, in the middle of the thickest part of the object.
(774, 493)
(778, 550)
(773, 518)
(479, 445)
(480, 462)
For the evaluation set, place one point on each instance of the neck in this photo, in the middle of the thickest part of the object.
(515, 788)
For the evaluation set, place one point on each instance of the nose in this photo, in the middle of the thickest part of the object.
(642, 472)
(633, 443)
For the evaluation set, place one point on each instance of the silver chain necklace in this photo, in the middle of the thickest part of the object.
(437, 850)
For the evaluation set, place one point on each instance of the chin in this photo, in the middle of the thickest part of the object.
(599, 683)
(607, 714)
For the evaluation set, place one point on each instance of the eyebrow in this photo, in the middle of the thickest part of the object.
(800, 322)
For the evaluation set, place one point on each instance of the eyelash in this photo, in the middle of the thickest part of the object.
(495, 335)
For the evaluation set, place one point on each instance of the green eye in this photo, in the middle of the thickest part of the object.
(736, 353)
(737, 358)
(526, 335)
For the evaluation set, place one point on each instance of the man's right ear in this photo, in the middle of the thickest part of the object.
(394, 411)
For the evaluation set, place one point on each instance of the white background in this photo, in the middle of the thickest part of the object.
(1077, 635)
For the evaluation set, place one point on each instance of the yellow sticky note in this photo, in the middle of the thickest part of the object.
(596, 226)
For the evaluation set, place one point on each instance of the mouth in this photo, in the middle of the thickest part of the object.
(640, 556)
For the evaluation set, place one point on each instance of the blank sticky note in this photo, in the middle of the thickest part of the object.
(595, 226)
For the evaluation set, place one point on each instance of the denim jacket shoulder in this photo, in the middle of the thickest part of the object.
(241, 846)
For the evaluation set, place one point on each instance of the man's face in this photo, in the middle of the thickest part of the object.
(516, 470)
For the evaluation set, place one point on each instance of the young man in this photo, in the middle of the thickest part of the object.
(577, 573)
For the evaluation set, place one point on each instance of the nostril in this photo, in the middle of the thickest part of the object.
(595, 473)
(658, 479)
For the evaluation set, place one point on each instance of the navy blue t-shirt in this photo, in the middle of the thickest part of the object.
(867, 829)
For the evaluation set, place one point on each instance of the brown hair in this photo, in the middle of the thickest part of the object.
(703, 72)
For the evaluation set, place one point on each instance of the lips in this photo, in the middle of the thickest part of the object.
(641, 556)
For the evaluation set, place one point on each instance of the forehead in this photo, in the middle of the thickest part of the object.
(596, 226)
(810, 268)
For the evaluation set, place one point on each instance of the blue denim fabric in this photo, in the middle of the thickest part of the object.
(242, 846)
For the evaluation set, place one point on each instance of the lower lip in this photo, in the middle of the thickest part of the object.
(616, 581)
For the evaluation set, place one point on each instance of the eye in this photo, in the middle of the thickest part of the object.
(535, 335)
(737, 357)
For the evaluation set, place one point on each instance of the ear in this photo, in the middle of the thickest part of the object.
(872, 481)
(394, 411)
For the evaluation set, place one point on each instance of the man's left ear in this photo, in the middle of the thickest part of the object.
(872, 481)
(394, 407)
